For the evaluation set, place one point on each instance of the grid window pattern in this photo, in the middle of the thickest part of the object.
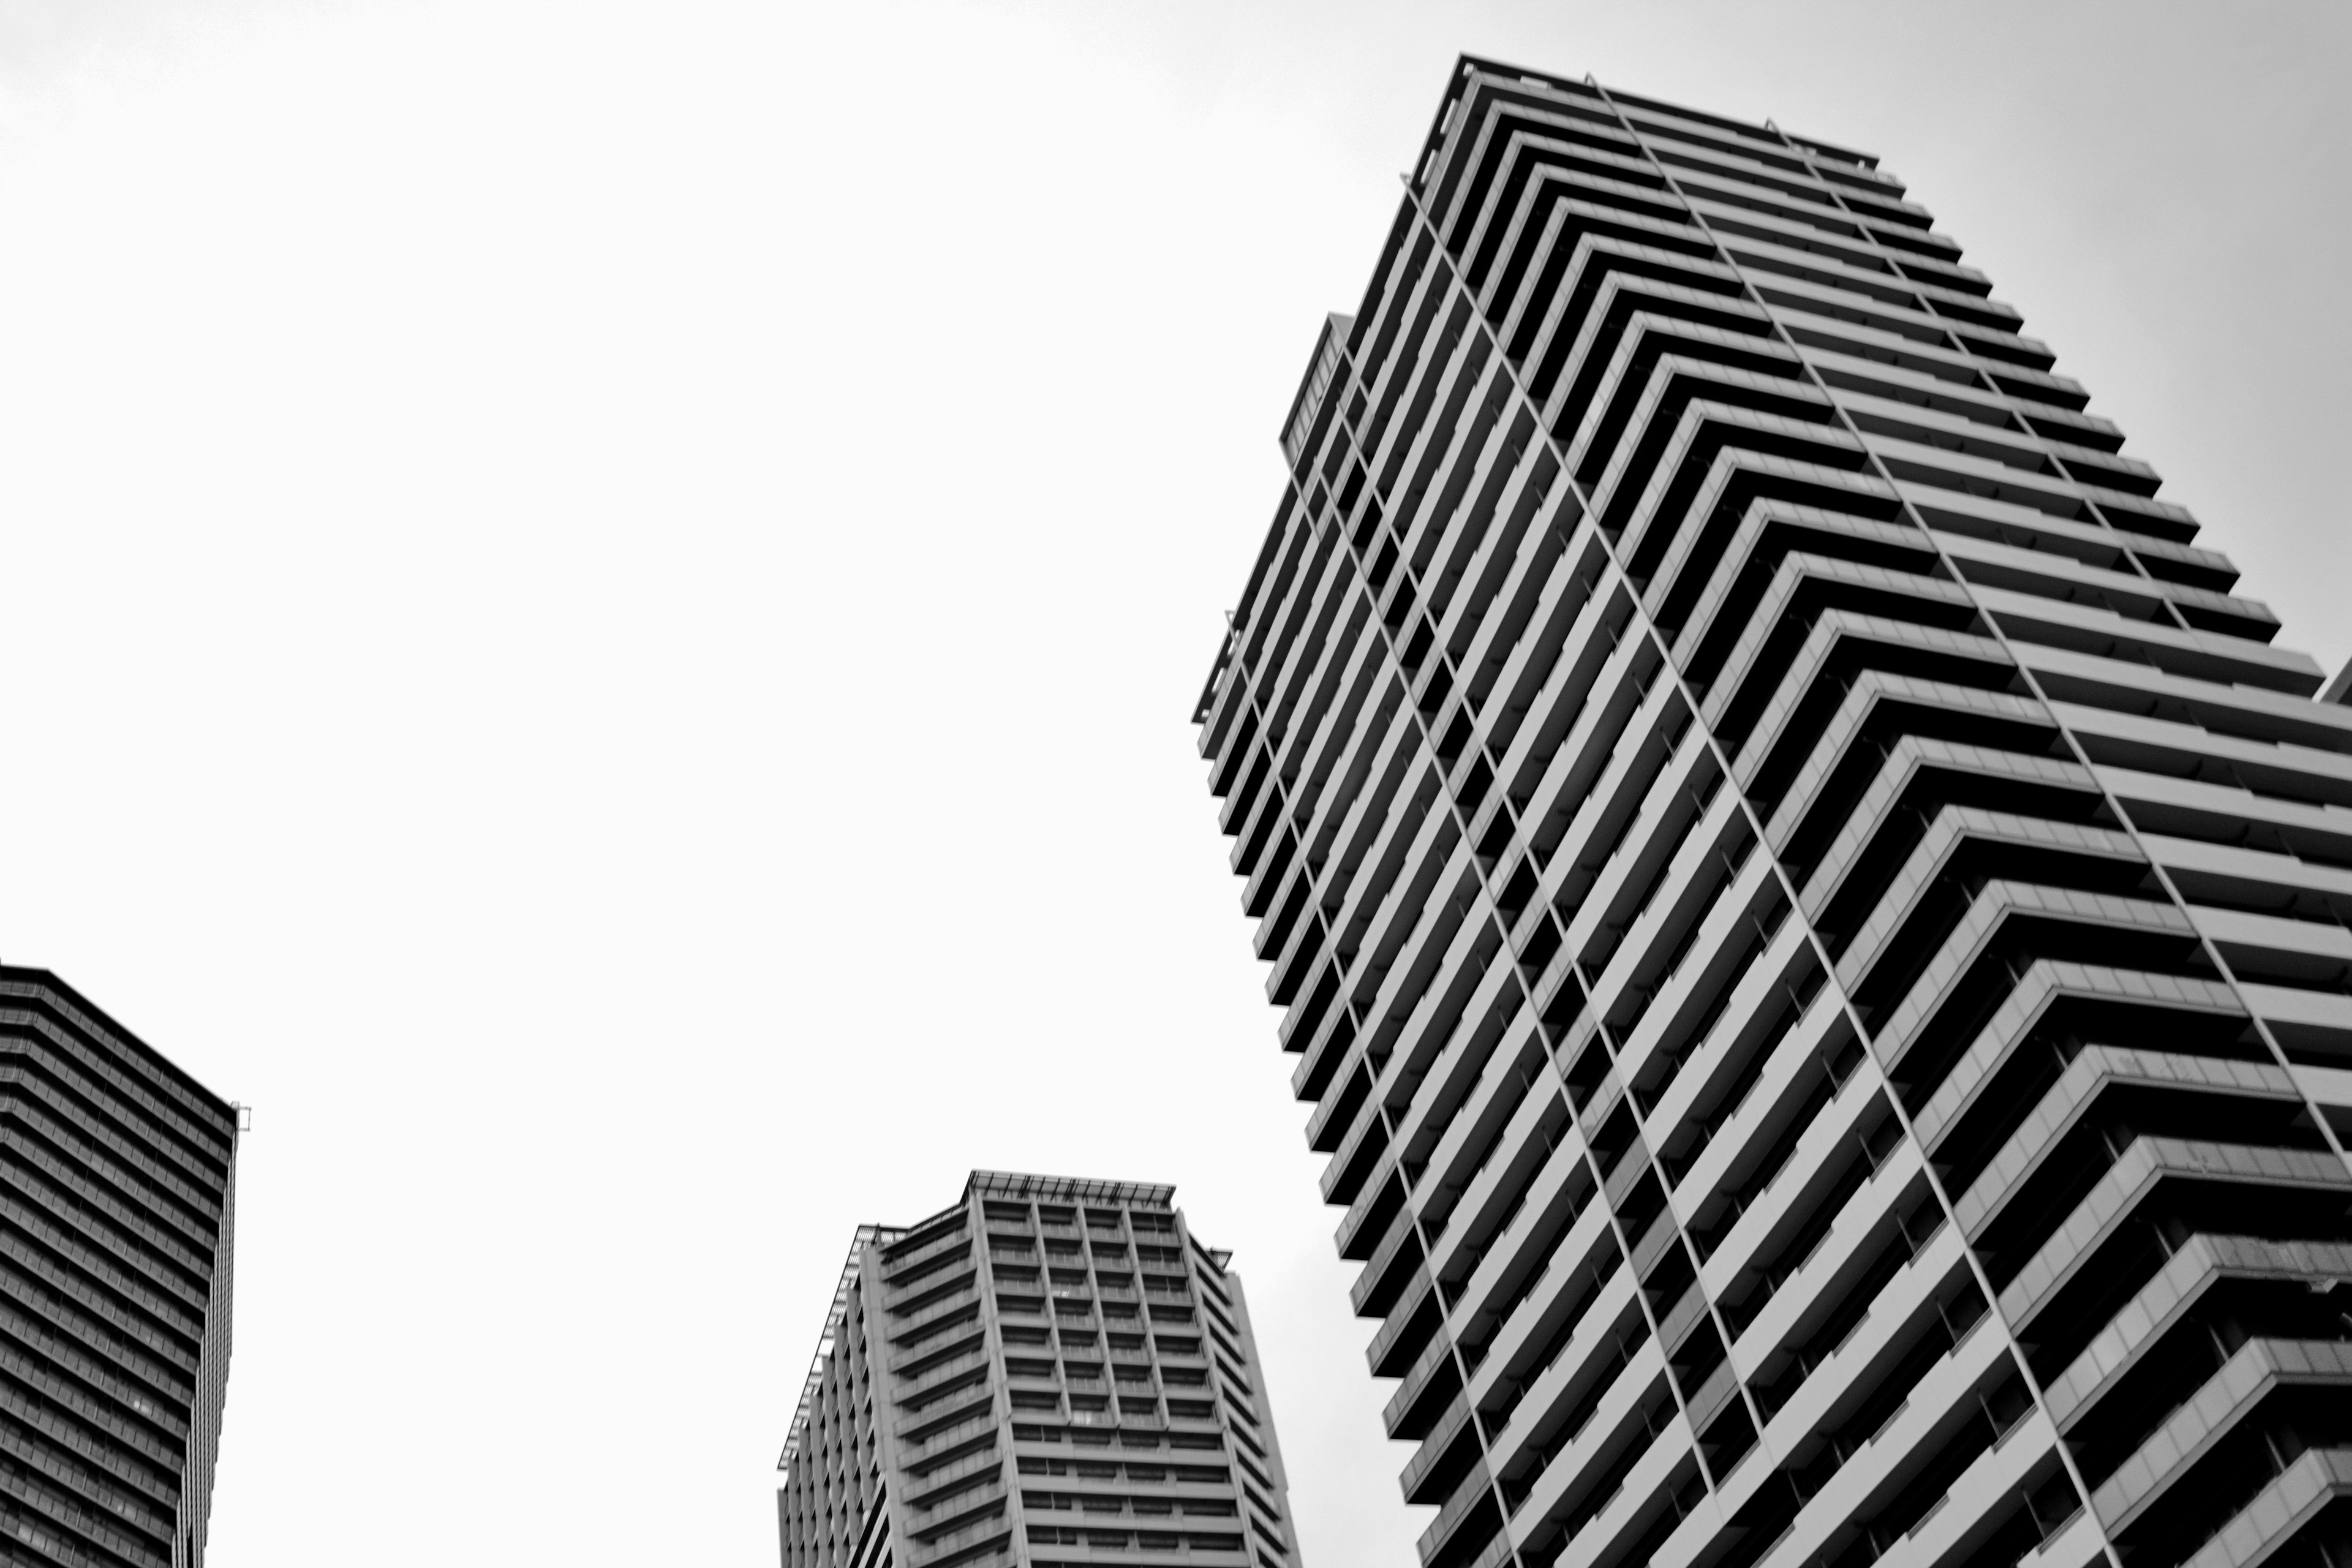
(1811, 919)
(1050, 1371)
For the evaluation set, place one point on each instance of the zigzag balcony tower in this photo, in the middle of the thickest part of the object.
(1051, 1373)
(1813, 921)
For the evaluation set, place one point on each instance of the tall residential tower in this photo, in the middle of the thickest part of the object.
(1813, 921)
(1050, 1373)
(118, 1197)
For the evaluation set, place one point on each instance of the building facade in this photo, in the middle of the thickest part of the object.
(117, 1222)
(1811, 920)
(1052, 1372)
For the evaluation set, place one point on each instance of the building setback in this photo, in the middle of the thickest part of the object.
(116, 1224)
(1052, 1372)
(1813, 923)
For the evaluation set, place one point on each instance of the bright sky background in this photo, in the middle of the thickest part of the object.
(602, 599)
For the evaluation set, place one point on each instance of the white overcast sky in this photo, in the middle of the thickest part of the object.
(602, 601)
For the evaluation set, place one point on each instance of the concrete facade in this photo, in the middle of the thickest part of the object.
(117, 1223)
(1052, 1372)
(1813, 922)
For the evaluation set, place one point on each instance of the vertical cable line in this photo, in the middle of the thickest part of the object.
(1306, 513)
(1935, 1178)
(2073, 745)
(2082, 756)
(1527, 988)
(1346, 432)
(2002, 637)
(1746, 806)
(1508, 372)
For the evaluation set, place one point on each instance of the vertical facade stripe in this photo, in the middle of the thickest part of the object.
(1809, 913)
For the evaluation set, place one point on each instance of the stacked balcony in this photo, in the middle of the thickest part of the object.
(1813, 916)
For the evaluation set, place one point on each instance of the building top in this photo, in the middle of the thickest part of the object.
(39, 988)
(1008, 1184)
(1050, 1362)
(1015, 1183)
(1766, 136)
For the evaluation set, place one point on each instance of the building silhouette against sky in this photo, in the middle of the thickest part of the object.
(1050, 1372)
(1813, 922)
(116, 1229)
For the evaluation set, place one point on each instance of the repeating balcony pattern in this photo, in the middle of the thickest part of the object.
(1050, 1373)
(1812, 918)
(116, 1205)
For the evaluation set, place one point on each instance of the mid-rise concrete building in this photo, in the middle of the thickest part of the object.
(118, 1198)
(1050, 1373)
(1812, 919)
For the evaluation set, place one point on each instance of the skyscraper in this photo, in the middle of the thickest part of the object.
(1049, 1373)
(1813, 921)
(116, 1226)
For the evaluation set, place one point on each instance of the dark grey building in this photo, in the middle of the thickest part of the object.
(1813, 921)
(1052, 1372)
(116, 1223)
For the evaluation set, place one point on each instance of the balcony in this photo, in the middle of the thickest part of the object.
(1472, 1506)
(1444, 1455)
(952, 1412)
(910, 1265)
(921, 1554)
(2295, 1498)
(944, 1484)
(970, 1365)
(975, 1421)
